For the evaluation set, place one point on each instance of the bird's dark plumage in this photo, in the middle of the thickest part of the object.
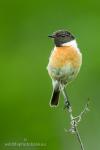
(55, 98)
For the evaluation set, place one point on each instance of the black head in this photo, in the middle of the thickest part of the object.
(61, 37)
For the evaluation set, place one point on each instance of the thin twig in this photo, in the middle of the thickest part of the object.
(74, 121)
(79, 138)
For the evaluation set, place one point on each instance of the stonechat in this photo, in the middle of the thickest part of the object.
(64, 62)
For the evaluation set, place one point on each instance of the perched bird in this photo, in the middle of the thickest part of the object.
(64, 62)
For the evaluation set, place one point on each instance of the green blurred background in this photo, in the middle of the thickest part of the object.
(25, 87)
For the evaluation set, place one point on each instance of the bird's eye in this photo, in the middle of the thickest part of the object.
(63, 35)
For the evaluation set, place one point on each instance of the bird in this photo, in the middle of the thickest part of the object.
(64, 62)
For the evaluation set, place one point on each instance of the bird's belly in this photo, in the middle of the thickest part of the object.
(64, 64)
(65, 74)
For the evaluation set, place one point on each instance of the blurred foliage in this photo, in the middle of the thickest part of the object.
(25, 85)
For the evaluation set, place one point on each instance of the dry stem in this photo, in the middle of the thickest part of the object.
(74, 121)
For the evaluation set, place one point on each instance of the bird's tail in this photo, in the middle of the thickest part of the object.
(55, 97)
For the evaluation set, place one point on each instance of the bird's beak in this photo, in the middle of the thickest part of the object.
(51, 36)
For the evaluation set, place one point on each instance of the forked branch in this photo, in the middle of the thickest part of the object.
(74, 121)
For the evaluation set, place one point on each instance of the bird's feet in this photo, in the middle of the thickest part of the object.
(67, 106)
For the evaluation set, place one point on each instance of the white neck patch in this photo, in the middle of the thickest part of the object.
(71, 43)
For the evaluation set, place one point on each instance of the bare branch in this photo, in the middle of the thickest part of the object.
(74, 121)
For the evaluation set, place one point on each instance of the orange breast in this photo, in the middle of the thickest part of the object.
(64, 55)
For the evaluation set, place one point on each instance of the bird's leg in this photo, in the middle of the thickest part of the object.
(66, 101)
(69, 108)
